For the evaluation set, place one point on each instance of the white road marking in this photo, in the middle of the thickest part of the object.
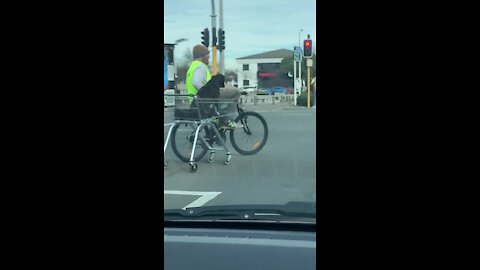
(205, 196)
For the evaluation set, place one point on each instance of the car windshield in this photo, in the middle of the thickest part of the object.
(240, 115)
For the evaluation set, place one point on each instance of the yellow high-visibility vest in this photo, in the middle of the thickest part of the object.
(190, 88)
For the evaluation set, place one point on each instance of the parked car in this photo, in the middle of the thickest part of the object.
(249, 89)
(278, 89)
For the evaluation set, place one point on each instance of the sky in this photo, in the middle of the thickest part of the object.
(250, 26)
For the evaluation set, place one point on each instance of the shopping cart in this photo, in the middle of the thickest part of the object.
(193, 128)
(196, 125)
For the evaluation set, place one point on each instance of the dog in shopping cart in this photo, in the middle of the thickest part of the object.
(224, 105)
(211, 90)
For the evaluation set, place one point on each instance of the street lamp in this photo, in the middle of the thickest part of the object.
(301, 30)
(180, 40)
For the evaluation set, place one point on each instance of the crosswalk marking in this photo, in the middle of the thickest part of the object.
(205, 197)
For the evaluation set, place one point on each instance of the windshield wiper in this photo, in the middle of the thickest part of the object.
(292, 211)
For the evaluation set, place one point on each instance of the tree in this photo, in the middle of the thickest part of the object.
(231, 75)
(286, 66)
(183, 64)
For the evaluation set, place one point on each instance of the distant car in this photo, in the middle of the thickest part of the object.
(263, 91)
(279, 90)
(249, 90)
(289, 90)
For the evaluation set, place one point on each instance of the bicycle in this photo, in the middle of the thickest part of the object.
(192, 137)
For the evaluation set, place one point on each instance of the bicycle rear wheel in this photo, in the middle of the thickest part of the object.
(183, 136)
(250, 139)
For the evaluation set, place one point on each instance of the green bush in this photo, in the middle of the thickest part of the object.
(302, 100)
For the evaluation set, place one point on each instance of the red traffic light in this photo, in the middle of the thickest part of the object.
(307, 48)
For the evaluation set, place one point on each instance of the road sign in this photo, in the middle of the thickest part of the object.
(297, 54)
(296, 57)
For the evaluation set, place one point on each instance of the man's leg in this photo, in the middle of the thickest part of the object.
(231, 110)
(234, 95)
(230, 94)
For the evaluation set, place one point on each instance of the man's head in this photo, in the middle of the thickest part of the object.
(201, 53)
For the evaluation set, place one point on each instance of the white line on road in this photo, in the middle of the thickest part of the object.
(205, 196)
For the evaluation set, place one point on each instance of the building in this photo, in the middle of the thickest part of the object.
(168, 51)
(263, 70)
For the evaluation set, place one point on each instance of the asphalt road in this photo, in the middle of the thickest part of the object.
(283, 171)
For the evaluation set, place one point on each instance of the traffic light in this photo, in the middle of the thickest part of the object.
(307, 48)
(206, 37)
(221, 39)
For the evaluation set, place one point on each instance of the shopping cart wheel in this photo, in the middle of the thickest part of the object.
(211, 157)
(165, 163)
(193, 167)
(227, 159)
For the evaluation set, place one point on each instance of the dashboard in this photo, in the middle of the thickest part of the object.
(238, 248)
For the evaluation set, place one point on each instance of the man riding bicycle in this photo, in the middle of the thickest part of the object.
(197, 77)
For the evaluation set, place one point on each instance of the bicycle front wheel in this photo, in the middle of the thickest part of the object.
(250, 139)
(183, 136)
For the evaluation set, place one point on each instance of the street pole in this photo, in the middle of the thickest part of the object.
(309, 64)
(222, 55)
(295, 82)
(300, 72)
(308, 82)
(214, 40)
(300, 63)
(301, 30)
(178, 41)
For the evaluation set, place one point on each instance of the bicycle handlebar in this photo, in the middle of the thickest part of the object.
(179, 95)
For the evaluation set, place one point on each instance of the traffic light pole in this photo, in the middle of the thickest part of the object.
(214, 40)
(295, 84)
(309, 64)
(307, 51)
(300, 73)
(214, 61)
(308, 82)
(222, 55)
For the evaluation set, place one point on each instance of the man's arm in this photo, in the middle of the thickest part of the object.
(199, 78)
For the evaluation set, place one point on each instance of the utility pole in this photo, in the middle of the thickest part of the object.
(301, 30)
(300, 73)
(222, 55)
(300, 65)
(214, 40)
(295, 83)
